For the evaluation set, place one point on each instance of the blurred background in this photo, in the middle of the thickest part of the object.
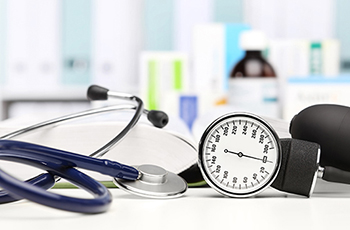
(175, 54)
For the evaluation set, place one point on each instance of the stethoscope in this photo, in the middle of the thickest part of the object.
(144, 180)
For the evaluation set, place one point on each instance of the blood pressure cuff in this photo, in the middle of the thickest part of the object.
(299, 166)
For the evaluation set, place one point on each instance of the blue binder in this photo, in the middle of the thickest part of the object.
(76, 42)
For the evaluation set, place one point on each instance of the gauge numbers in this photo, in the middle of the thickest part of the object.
(239, 155)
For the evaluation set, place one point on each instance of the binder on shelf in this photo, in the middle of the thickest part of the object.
(118, 39)
(3, 19)
(292, 19)
(343, 34)
(32, 43)
(228, 11)
(159, 24)
(76, 42)
(188, 14)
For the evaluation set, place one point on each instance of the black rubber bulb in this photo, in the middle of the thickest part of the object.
(158, 118)
(329, 126)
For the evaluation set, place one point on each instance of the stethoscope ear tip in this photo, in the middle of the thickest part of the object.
(158, 118)
(154, 182)
(96, 92)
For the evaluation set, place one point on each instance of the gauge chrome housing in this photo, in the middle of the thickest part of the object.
(239, 154)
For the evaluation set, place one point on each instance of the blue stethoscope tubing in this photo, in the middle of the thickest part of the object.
(59, 163)
(45, 181)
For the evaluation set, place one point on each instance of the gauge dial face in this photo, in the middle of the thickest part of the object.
(239, 155)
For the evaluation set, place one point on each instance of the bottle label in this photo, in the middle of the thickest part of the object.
(256, 95)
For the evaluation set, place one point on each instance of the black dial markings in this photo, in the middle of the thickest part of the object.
(250, 129)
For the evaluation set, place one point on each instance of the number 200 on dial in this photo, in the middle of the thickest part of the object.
(239, 155)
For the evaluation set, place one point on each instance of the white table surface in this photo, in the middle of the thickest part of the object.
(199, 208)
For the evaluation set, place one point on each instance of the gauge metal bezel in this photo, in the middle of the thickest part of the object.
(201, 151)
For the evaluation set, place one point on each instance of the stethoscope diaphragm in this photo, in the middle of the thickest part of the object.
(154, 182)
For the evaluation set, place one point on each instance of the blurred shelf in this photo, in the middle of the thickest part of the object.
(44, 99)
(49, 94)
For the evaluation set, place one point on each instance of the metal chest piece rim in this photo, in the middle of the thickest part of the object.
(154, 182)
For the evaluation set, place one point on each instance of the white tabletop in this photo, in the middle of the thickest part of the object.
(199, 208)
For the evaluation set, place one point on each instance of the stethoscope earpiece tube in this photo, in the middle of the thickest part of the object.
(158, 118)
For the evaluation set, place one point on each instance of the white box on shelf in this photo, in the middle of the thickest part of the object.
(304, 92)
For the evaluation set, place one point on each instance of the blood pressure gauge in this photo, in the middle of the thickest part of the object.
(239, 155)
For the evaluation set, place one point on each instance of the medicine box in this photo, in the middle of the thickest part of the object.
(304, 92)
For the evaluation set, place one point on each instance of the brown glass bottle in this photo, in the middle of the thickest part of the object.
(253, 86)
(253, 65)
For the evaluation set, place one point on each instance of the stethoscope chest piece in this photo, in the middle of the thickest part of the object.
(154, 182)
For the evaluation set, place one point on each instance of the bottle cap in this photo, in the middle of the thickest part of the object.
(253, 40)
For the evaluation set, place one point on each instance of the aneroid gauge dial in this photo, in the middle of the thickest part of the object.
(239, 154)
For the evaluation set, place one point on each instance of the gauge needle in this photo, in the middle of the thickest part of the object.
(240, 154)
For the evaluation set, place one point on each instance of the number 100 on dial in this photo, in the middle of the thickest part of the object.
(239, 154)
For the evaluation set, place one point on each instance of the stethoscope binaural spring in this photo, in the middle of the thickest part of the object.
(145, 180)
